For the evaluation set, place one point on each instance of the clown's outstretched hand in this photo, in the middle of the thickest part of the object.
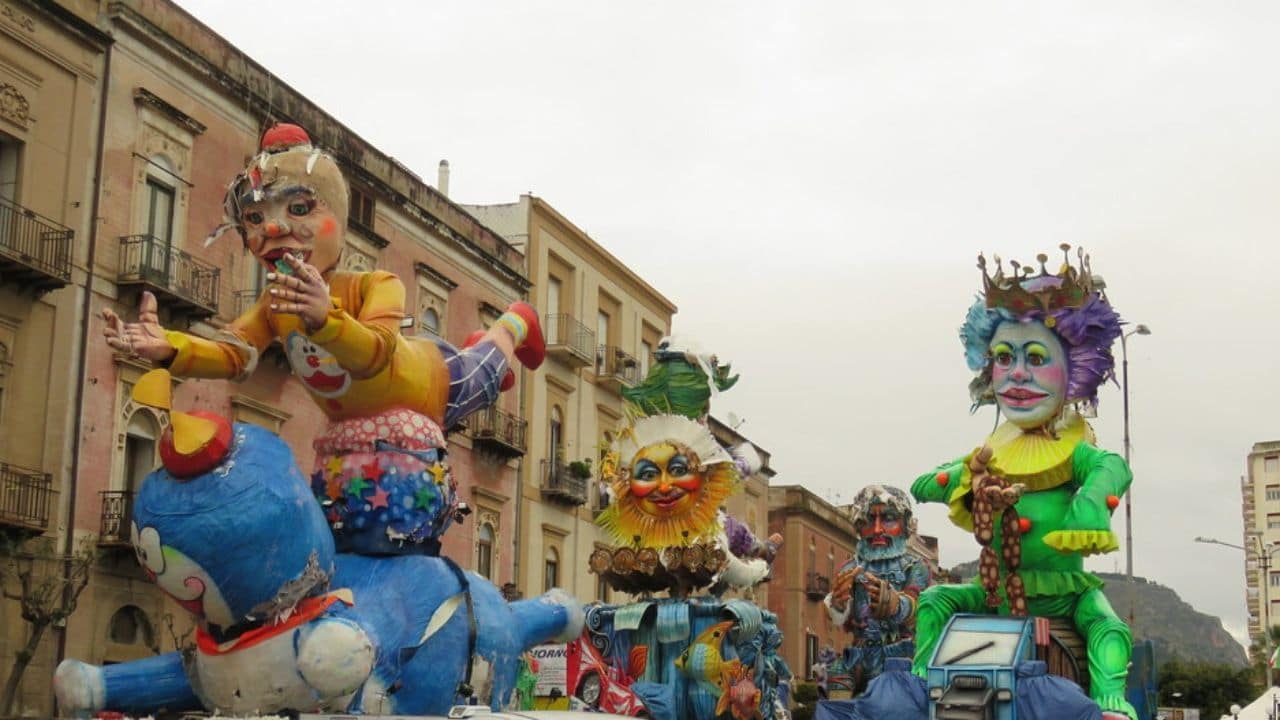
(143, 338)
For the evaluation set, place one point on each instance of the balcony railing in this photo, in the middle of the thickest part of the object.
(34, 250)
(178, 280)
(245, 300)
(615, 367)
(496, 431)
(25, 498)
(569, 340)
(559, 485)
(117, 514)
(816, 586)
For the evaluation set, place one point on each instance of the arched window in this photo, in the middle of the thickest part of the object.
(139, 449)
(431, 321)
(484, 551)
(130, 626)
(551, 570)
(813, 556)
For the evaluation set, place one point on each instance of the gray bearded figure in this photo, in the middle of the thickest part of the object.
(874, 595)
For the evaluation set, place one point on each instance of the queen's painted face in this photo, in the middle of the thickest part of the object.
(1028, 372)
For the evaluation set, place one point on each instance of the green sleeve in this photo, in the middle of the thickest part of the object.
(1101, 474)
(927, 489)
(1087, 525)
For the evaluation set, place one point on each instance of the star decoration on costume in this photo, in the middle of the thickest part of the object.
(424, 496)
(334, 490)
(437, 471)
(379, 499)
(371, 470)
(335, 466)
(356, 485)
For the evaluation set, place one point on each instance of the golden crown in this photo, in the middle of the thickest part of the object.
(1025, 291)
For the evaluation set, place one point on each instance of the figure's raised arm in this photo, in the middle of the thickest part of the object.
(1104, 477)
(363, 342)
(938, 484)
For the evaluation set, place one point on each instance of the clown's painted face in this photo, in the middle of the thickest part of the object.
(180, 577)
(292, 220)
(882, 532)
(1028, 372)
(663, 480)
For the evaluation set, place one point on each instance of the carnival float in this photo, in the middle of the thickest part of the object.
(326, 591)
(322, 591)
(689, 653)
(1033, 637)
(875, 594)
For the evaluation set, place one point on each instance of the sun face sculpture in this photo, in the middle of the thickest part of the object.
(670, 477)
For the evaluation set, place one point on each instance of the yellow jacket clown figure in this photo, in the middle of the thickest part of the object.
(381, 473)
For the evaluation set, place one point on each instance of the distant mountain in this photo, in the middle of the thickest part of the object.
(1172, 626)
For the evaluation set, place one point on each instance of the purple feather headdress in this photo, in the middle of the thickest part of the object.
(1087, 328)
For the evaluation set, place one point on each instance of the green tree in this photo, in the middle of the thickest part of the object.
(1211, 688)
(46, 584)
(1259, 660)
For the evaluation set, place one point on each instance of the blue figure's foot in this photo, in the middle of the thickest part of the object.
(80, 688)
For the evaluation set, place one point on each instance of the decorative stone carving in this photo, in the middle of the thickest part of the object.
(14, 106)
(356, 261)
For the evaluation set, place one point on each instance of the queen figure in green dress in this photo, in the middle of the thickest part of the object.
(1037, 494)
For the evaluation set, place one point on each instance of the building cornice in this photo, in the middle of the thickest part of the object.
(433, 274)
(143, 96)
(597, 255)
(797, 501)
(271, 98)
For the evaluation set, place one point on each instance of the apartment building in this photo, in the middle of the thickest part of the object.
(52, 71)
(817, 539)
(1260, 495)
(602, 323)
(86, 226)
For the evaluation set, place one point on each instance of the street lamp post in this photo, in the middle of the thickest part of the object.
(1264, 559)
(1128, 497)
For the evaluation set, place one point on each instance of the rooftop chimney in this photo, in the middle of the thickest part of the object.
(442, 181)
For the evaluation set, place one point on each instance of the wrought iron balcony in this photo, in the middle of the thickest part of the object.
(559, 485)
(245, 300)
(615, 367)
(117, 514)
(34, 250)
(569, 340)
(178, 280)
(25, 498)
(816, 586)
(496, 431)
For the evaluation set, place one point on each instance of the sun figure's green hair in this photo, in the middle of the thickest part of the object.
(677, 384)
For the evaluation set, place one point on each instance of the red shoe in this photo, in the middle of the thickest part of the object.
(509, 379)
(533, 350)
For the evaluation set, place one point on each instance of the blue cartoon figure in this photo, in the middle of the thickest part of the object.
(229, 529)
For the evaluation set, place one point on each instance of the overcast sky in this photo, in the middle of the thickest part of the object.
(810, 182)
